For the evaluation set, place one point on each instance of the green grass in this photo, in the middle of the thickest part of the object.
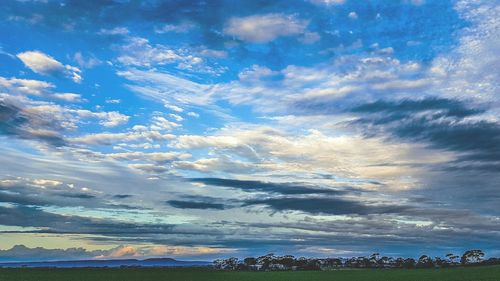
(485, 273)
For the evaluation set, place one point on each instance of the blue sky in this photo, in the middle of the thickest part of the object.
(204, 129)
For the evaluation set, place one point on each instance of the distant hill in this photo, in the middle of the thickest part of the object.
(155, 262)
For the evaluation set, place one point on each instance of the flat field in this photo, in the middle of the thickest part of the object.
(485, 273)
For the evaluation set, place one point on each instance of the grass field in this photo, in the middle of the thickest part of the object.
(486, 273)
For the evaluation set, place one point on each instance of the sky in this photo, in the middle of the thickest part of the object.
(205, 129)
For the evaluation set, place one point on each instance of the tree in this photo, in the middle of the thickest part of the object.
(250, 261)
(425, 262)
(409, 263)
(439, 262)
(374, 260)
(452, 258)
(471, 257)
(287, 261)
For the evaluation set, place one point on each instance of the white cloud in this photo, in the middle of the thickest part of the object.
(138, 52)
(176, 117)
(69, 97)
(112, 138)
(44, 183)
(193, 114)
(24, 86)
(149, 168)
(368, 76)
(158, 157)
(114, 31)
(44, 64)
(213, 53)
(264, 28)
(264, 149)
(183, 27)
(86, 62)
(113, 101)
(112, 118)
(173, 107)
(35, 87)
(328, 2)
(219, 164)
(106, 119)
(353, 15)
(3, 52)
(466, 72)
(171, 90)
(310, 37)
(159, 123)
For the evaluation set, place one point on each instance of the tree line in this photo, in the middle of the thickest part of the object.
(271, 262)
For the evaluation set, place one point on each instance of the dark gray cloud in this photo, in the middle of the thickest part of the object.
(122, 196)
(25, 125)
(62, 196)
(270, 187)
(50, 199)
(330, 206)
(25, 216)
(201, 202)
(185, 204)
(439, 122)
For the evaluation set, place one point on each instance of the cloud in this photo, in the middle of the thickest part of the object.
(23, 253)
(182, 27)
(185, 204)
(221, 164)
(443, 123)
(25, 86)
(329, 206)
(106, 138)
(328, 2)
(48, 222)
(325, 88)
(83, 62)
(173, 91)
(68, 97)
(158, 157)
(44, 64)
(15, 86)
(47, 122)
(150, 168)
(112, 118)
(193, 114)
(262, 149)
(268, 187)
(159, 123)
(303, 90)
(25, 125)
(48, 193)
(264, 28)
(139, 52)
(114, 31)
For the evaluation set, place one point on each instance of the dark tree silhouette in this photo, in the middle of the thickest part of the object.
(452, 258)
(472, 257)
(425, 262)
(288, 262)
